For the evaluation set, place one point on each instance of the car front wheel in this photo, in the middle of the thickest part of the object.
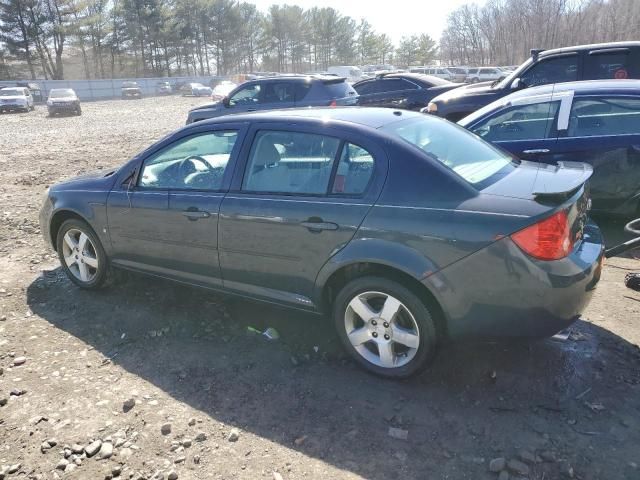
(81, 254)
(385, 327)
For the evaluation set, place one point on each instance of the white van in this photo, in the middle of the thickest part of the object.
(351, 73)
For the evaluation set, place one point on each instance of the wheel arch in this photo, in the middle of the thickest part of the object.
(345, 273)
(58, 218)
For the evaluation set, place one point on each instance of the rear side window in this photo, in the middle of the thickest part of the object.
(521, 122)
(367, 88)
(354, 170)
(600, 66)
(396, 84)
(302, 89)
(552, 70)
(592, 117)
(339, 89)
(278, 92)
(290, 163)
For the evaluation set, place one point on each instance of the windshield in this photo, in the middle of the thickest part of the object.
(62, 93)
(11, 92)
(467, 155)
(505, 82)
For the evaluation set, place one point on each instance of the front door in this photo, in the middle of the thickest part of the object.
(167, 221)
(300, 198)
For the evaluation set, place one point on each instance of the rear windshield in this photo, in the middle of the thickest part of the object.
(340, 89)
(467, 155)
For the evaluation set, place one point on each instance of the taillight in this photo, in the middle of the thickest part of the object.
(333, 103)
(549, 239)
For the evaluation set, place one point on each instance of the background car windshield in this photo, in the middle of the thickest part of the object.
(61, 93)
(461, 151)
(11, 92)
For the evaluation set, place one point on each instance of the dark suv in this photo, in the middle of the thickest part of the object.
(409, 91)
(585, 62)
(280, 92)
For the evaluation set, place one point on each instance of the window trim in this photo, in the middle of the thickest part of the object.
(226, 176)
(554, 57)
(599, 96)
(365, 190)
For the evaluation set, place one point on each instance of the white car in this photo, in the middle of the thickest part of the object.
(223, 89)
(484, 74)
(351, 73)
(196, 89)
(439, 72)
(16, 99)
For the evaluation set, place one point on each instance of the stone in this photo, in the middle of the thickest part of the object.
(504, 475)
(106, 451)
(180, 459)
(234, 435)
(62, 464)
(516, 466)
(116, 471)
(192, 422)
(196, 459)
(16, 392)
(3, 401)
(52, 442)
(77, 448)
(186, 443)
(93, 448)
(277, 476)
(128, 404)
(527, 457)
(14, 468)
(548, 456)
(201, 437)
(126, 452)
(497, 465)
(165, 429)
(300, 440)
(398, 433)
(19, 361)
(173, 475)
(70, 468)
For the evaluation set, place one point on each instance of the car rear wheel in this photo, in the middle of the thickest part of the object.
(81, 254)
(385, 327)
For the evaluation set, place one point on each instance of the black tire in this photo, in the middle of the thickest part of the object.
(79, 111)
(416, 307)
(102, 272)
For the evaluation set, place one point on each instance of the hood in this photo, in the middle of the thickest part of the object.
(439, 89)
(98, 180)
(208, 106)
(13, 97)
(465, 91)
(534, 180)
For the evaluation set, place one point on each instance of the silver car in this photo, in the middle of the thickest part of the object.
(16, 99)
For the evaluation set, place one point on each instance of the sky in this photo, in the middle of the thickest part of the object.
(396, 18)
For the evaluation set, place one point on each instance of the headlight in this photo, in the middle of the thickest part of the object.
(432, 107)
(49, 102)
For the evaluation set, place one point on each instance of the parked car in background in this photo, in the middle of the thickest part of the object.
(585, 62)
(597, 122)
(16, 99)
(408, 91)
(163, 88)
(459, 74)
(439, 72)
(63, 100)
(34, 89)
(280, 92)
(222, 89)
(484, 74)
(195, 89)
(351, 73)
(131, 90)
(404, 228)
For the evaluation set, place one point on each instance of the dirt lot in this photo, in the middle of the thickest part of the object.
(119, 365)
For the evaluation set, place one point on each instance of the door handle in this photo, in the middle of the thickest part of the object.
(536, 151)
(195, 214)
(317, 225)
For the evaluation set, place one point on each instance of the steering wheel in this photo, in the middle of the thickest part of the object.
(189, 166)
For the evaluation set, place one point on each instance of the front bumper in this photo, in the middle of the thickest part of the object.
(501, 292)
(8, 107)
(63, 107)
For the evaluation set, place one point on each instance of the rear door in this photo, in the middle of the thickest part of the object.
(297, 200)
(367, 93)
(604, 131)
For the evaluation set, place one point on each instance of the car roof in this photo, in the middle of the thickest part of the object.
(367, 116)
(594, 46)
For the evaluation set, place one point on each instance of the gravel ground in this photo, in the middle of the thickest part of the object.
(149, 378)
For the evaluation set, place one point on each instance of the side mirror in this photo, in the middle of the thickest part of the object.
(225, 102)
(517, 84)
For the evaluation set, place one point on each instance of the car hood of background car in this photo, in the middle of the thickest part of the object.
(99, 180)
(530, 180)
(208, 106)
(465, 91)
(13, 97)
(438, 89)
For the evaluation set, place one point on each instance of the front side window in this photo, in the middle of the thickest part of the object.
(354, 170)
(553, 70)
(470, 157)
(290, 162)
(591, 117)
(394, 85)
(521, 122)
(196, 162)
(246, 96)
(601, 66)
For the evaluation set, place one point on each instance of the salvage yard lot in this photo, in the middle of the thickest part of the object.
(300, 407)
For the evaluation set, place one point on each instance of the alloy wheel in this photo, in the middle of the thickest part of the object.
(382, 329)
(80, 255)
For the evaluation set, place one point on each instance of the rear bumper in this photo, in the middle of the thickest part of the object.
(501, 292)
